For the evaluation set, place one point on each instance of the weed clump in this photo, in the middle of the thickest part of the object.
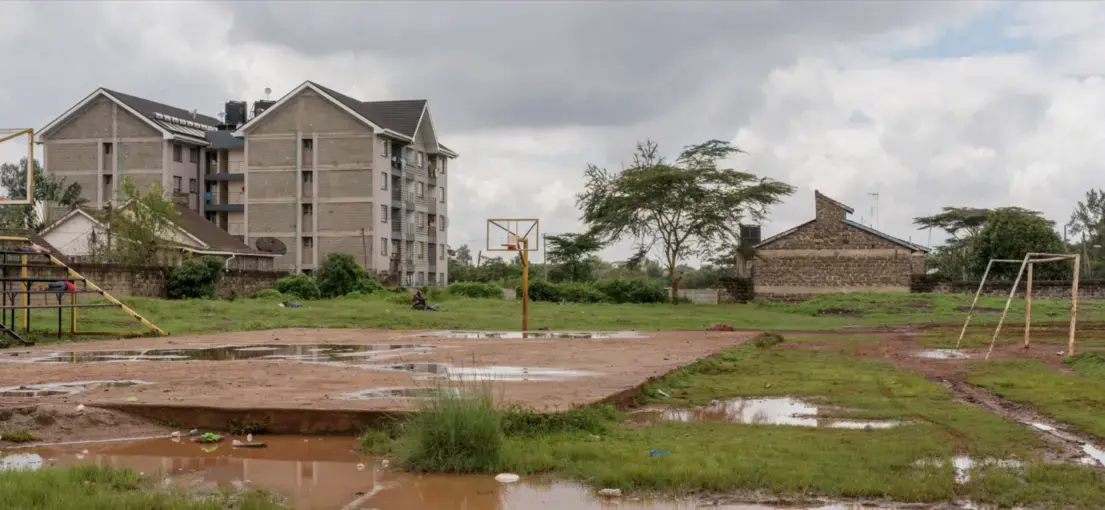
(18, 436)
(767, 340)
(1087, 364)
(455, 432)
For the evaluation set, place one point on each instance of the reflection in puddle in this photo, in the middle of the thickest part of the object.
(323, 473)
(943, 354)
(386, 393)
(492, 373)
(764, 411)
(302, 352)
(65, 388)
(530, 334)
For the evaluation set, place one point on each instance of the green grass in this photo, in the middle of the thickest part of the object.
(591, 445)
(1077, 399)
(454, 432)
(18, 436)
(95, 488)
(383, 311)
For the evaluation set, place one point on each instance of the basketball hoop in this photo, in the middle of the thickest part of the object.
(511, 247)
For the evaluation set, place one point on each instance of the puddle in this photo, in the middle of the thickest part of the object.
(763, 411)
(943, 354)
(964, 465)
(323, 473)
(386, 393)
(65, 388)
(530, 334)
(301, 352)
(493, 373)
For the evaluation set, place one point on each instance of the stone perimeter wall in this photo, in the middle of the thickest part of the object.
(153, 281)
(1087, 289)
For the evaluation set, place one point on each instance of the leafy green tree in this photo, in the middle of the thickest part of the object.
(963, 226)
(1088, 218)
(570, 252)
(686, 207)
(50, 191)
(139, 231)
(339, 274)
(1011, 233)
(464, 255)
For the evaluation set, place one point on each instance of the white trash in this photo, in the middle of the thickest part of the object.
(360, 467)
(506, 477)
(385, 462)
(610, 493)
(80, 408)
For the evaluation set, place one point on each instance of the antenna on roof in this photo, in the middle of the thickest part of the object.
(194, 113)
(267, 92)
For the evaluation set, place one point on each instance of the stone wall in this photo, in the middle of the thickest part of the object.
(698, 296)
(153, 281)
(1087, 289)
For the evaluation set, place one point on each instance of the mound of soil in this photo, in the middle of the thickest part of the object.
(55, 423)
(720, 326)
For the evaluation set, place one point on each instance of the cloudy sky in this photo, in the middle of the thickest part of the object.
(927, 104)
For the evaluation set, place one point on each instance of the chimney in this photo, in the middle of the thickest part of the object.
(829, 209)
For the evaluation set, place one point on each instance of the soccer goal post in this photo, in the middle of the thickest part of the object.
(1027, 263)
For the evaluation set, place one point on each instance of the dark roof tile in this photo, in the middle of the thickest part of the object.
(213, 236)
(399, 116)
(148, 108)
(224, 140)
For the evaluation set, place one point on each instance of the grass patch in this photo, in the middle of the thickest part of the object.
(1049, 485)
(18, 436)
(91, 487)
(1077, 399)
(455, 432)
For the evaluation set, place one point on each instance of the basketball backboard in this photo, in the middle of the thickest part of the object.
(16, 144)
(506, 234)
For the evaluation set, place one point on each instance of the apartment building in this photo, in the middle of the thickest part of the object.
(313, 173)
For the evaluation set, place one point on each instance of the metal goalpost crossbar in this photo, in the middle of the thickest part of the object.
(1030, 259)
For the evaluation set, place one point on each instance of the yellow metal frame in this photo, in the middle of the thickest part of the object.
(73, 298)
(523, 250)
(8, 134)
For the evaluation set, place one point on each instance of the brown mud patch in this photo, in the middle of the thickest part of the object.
(54, 423)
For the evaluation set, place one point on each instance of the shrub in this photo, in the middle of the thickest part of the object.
(267, 294)
(339, 274)
(196, 278)
(476, 290)
(18, 436)
(455, 432)
(767, 340)
(632, 290)
(299, 285)
(367, 284)
(580, 293)
(541, 290)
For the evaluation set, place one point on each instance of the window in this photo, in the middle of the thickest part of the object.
(421, 158)
(107, 148)
(384, 246)
(421, 250)
(441, 223)
(442, 256)
(420, 219)
(308, 144)
(421, 189)
(308, 177)
(421, 277)
(441, 167)
(177, 181)
(194, 155)
(383, 214)
(178, 153)
(442, 194)
(384, 181)
(193, 186)
(308, 209)
(308, 242)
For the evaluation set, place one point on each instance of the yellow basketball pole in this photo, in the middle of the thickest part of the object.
(523, 245)
(23, 296)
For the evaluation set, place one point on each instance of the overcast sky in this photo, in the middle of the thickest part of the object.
(927, 104)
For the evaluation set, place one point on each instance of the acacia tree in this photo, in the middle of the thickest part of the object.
(1012, 232)
(685, 207)
(50, 190)
(1088, 218)
(570, 252)
(963, 226)
(140, 230)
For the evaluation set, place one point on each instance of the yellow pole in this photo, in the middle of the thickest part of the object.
(523, 244)
(1028, 307)
(77, 276)
(1074, 304)
(25, 321)
(73, 313)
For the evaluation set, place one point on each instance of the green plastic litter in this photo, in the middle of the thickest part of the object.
(211, 436)
(132, 399)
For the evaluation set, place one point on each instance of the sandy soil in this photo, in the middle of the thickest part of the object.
(54, 423)
(617, 364)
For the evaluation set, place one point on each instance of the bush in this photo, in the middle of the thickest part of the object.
(541, 290)
(476, 290)
(339, 274)
(455, 432)
(580, 293)
(196, 278)
(767, 340)
(299, 285)
(367, 284)
(632, 290)
(267, 294)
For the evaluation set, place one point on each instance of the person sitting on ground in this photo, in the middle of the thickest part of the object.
(419, 302)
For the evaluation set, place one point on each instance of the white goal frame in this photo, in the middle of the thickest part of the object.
(1030, 259)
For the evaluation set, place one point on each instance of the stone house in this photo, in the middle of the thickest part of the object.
(832, 253)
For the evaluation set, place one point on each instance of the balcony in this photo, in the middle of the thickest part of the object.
(409, 232)
(396, 166)
(408, 200)
(209, 207)
(233, 177)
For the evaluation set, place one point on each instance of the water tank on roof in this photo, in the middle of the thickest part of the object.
(261, 105)
(750, 235)
(235, 113)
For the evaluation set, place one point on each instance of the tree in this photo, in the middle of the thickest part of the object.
(570, 252)
(684, 208)
(963, 225)
(464, 255)
(50, 191)
(139, 231)
(1088, 218)
(1011, 233)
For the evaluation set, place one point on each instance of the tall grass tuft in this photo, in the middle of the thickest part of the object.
(455, 432)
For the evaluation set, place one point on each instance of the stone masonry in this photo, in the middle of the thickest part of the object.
(833, 254)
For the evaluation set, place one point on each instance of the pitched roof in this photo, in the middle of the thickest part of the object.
(224, 140)
(885, 236)
(400, 116)
(148, 108)
(208, 233)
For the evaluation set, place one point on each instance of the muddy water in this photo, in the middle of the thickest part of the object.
(324, 474)
(766, 411)
(302, 352)
(63, 388)
(529, 334)
(944, 354)
(492, 373)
